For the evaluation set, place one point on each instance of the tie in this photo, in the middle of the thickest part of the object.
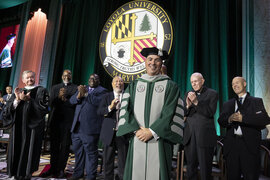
(119, 103)
(118, 106)
(241, 100)
(8, 96)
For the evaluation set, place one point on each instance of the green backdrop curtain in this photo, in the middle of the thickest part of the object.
(10, 3)
(78, 48)
(207, 39)
(78, 41)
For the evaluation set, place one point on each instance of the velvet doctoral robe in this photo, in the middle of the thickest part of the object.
(27, 127)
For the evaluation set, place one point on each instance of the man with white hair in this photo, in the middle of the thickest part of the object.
(109, 107)
(24, 114)
(200, 133)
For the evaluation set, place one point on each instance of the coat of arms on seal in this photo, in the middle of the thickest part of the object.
(132, 27)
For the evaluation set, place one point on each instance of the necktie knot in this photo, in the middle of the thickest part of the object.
(90, 90)
(241, 100)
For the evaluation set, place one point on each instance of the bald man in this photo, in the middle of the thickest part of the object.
(199, 132)
(243, 116)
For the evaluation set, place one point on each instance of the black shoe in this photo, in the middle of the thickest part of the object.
(22, 178)
(117, 177)
(61, 175)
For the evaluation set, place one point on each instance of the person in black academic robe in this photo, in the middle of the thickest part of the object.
(24, 114)
(60, 121)
(199, 133)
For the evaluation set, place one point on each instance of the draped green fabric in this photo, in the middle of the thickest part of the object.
(10, 3)
(78, 48)
(202, 45)
(78, 44)
(207, 39)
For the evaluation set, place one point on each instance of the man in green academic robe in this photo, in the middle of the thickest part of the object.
(152, 113)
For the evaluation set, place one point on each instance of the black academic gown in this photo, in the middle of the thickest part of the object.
(61, 118)
(27, 127)
(200, 134)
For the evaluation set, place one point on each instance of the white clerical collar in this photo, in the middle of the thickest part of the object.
(30, 87)
(66, 83)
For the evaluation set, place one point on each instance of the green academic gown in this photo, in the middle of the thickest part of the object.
(151, 102)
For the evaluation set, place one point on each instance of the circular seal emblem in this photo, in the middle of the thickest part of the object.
(159, 88)
(135, 25)
(140, 88)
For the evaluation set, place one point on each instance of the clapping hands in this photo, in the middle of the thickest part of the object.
(20, 95)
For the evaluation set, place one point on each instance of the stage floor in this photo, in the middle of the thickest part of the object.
(44, 164)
